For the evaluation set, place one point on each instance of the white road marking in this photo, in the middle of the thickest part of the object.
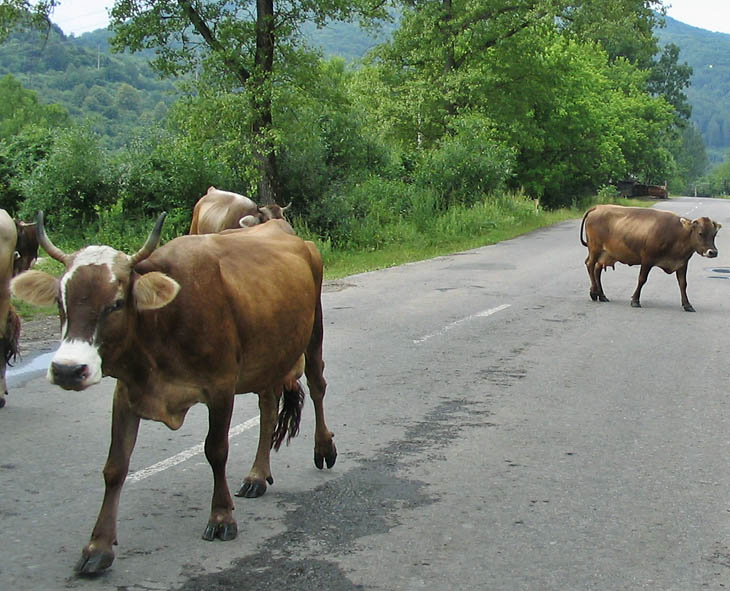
(187, 453)
(451, 325)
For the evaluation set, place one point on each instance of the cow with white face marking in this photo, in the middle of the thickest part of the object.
(199, 319)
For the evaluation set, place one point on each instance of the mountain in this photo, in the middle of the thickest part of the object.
(709, 55)
(115, 93)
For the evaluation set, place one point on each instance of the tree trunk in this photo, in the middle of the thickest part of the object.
(268, 186)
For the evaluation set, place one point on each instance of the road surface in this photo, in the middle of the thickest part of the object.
(496, 429)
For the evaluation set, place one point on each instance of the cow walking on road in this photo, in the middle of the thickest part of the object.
(199, 319)
(646, 237)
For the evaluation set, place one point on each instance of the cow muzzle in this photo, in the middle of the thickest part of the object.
(70, 376)
(75, 366)
(710, 253)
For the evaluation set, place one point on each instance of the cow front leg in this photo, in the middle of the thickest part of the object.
(682, 280)
(98, 554)
(221, 523)
(324, 447)
(643, 275)
(254, 485)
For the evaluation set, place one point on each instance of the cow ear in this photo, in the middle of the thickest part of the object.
(686, 223)
(248, 221)
(154, 290)
(35, 287)
(717, 226)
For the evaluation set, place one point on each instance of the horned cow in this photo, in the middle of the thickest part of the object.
(200, 319)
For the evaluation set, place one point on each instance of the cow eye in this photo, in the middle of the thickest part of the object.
(117, 305)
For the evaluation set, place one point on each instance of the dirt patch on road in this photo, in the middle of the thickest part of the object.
(39, 334)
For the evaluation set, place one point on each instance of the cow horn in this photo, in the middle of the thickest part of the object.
(152, 240)
(286, 207)
(53, 251)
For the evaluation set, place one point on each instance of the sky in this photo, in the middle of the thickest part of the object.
(80, 16)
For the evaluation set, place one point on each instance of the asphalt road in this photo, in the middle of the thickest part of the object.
(496, 429)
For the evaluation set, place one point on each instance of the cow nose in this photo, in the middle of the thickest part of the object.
(69, 375)
(711, 253)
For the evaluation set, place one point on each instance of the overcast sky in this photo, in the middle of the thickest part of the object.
(79, 16)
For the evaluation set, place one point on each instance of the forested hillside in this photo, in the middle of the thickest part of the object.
(115, 93)
(709, 55)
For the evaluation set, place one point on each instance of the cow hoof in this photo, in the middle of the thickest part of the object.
(223, 531)
(93, 562)
(2, 402)
(687, 308)
(252, 488)
(602, 298)
(635, 304)
(594, 296)
(329, 458)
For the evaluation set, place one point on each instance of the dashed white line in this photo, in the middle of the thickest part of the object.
(187, 453)
(451, 325)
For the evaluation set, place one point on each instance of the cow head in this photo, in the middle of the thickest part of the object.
(264, 214)
(26, 247)
(702, 235)
(98, 296)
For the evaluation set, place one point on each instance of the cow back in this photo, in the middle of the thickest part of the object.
(246, 303)
(220, 210)
(637, 235)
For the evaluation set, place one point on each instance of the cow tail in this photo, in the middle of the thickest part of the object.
(12, 336)
(582, 225)
(289, 416)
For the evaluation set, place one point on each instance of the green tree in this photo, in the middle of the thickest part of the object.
(72, 183)
(573, 114)
(23, 14)
(127, 98)
(234, 51)
(20, 107)
(19, 156)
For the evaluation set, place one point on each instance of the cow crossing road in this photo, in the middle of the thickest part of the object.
(556, 443)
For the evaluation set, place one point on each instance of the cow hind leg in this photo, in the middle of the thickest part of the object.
(324, 447)
(221, 523)
(594, 273)
(601, 296)
(254, 485)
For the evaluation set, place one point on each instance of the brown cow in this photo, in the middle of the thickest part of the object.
(222, 210)
(9, 321)
(646, 237)
(26, 247)
(199, 319)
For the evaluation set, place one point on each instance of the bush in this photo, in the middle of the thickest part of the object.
(72, 183)
(466, 166)
(165, 173)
